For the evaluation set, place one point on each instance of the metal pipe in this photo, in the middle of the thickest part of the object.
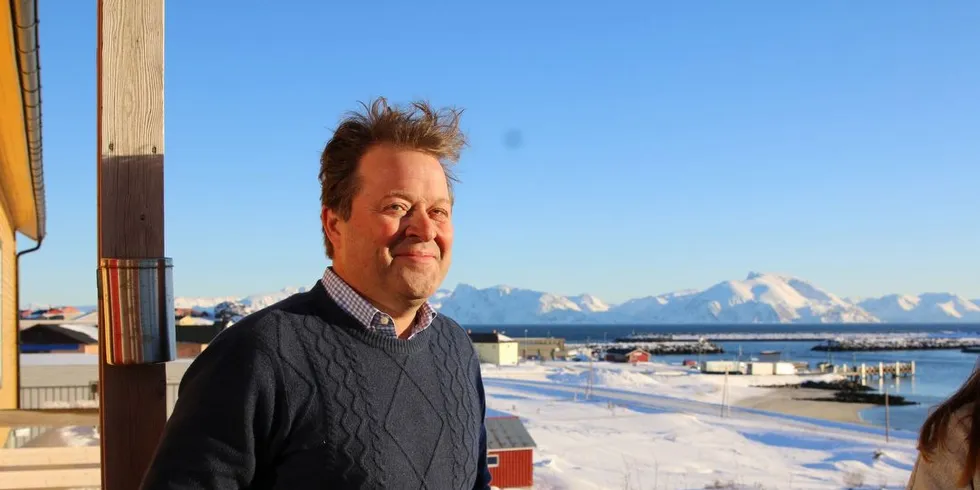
(17, 342)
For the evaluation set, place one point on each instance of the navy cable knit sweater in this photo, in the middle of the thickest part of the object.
(300, 396)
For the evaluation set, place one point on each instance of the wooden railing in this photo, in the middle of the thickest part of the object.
(50, 468)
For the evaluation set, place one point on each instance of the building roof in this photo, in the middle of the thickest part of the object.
(493, 413)
(21, 173)
(507, 433)
(59, 334)
(489, 338)
(624, 350)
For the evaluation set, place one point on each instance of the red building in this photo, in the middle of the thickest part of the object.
(510, 451)
(621, 354)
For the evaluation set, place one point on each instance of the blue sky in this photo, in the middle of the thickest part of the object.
(662, 146)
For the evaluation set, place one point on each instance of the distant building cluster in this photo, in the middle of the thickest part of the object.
(57, 313)
(68, 329)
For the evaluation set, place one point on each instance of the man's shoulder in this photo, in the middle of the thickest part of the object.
(266, 327)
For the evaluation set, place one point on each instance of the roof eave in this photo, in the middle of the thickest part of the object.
(29, 65)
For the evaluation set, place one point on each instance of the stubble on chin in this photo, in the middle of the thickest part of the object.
(417, 283)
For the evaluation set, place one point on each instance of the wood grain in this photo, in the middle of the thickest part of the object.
(49, 456)
(49, 479)
(130, 217)
(49, 417)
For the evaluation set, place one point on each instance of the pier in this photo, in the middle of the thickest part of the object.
(881, 370)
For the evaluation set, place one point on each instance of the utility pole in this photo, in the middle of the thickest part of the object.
(724, 395)
(133, 292)
(588, 391)
(887, 415)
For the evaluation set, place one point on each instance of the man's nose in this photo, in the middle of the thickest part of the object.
(421, 226)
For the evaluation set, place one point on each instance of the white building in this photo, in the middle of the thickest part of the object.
(495, 348)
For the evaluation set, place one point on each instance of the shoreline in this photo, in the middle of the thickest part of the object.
(791, 401)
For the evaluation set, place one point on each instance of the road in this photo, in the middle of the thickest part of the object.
(653, 403)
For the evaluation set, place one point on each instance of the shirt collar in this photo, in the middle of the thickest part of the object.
(364, 312)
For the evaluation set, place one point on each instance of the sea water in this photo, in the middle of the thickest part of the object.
(939, 373)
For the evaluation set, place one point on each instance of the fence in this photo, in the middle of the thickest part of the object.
(74, 396)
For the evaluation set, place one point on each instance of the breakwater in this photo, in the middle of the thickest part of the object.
(657, 348)
(871, 344)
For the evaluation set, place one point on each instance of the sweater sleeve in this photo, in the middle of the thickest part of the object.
(222, 425)
(482, 470)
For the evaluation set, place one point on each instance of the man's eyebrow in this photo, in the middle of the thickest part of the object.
(411, 197)
(399, 194)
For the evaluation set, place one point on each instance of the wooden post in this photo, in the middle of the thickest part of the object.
(133, 402)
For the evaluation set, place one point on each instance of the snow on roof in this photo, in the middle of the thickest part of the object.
(90, 330)
(507, 433)
(491, 413)
(193, 320)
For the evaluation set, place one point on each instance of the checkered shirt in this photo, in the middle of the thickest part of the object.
(366, 314)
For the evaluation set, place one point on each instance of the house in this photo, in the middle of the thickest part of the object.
(190, 320)
(627, 354)
(58, 338)
(510, 451)
(193, 339)
(495, 348)
(22, 203)
(549, 348)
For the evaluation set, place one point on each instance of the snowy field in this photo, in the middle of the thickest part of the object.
(661, 427)
(655, 426)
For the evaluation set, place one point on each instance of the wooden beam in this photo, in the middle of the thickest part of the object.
(49, 479)
(49, 456)
(49, 417)
(130, 218)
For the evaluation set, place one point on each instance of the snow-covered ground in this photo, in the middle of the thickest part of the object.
(656, 426)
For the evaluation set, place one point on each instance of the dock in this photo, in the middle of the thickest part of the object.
(882, 370)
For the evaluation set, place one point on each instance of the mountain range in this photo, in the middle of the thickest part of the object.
(759, 298)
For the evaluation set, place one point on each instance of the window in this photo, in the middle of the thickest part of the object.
(493, 461)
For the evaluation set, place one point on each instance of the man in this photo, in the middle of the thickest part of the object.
(357, 383)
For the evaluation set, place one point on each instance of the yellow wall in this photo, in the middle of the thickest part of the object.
(9, 377)
(504, 353)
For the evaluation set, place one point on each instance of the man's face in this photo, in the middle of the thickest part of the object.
(396, 247)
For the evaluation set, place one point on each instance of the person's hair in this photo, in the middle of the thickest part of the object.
(418, 127)
(935, 430)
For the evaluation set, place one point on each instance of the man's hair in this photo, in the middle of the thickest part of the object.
(418, 127)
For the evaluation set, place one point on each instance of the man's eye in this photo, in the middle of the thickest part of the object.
(396, 207)
(441, 212)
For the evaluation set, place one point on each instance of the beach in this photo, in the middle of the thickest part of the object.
(794, 401)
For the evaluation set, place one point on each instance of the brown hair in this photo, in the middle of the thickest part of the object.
(935, 430)
(418, 127)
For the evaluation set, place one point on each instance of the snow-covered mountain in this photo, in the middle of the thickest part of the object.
(929, 307)
(249, 303)
(506, 305)
(758, 298)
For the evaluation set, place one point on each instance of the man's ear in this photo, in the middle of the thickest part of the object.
(331, 224)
